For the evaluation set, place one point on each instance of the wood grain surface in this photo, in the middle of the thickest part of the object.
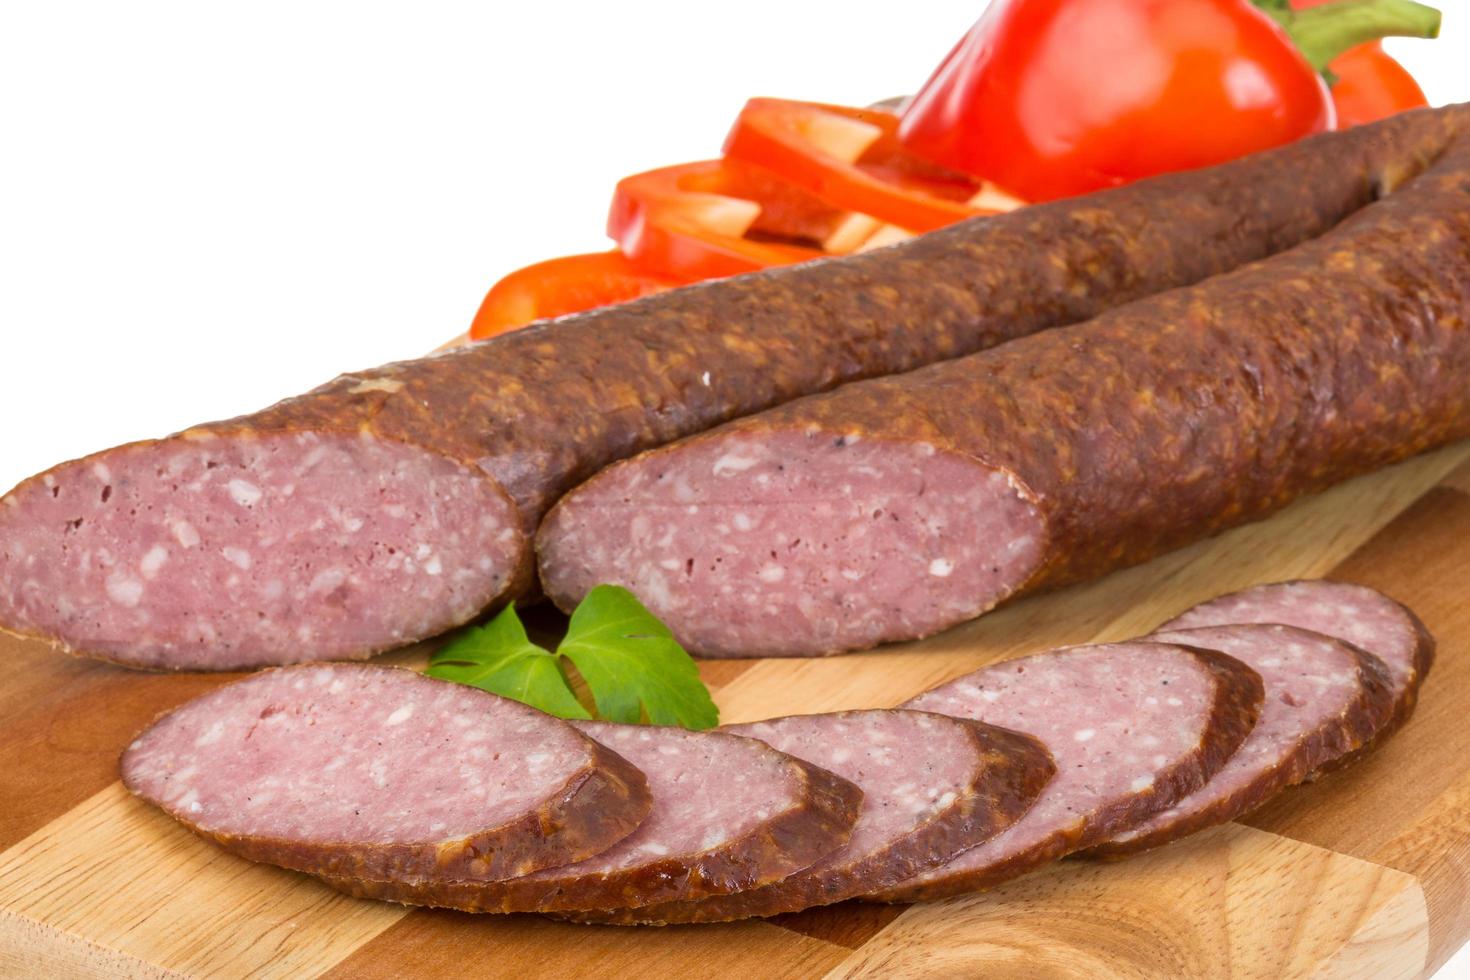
(1363, 873)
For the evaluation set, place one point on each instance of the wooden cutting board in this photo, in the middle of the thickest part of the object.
(1365, 873)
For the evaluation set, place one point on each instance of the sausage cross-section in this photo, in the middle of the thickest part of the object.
(933, 786)
(895, 507)
(728, 813)
(1324, 699)
(353, 769)
(394, 503)
(1364, 617)
(1133, 727)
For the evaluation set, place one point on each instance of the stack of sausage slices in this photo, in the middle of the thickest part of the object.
(391, 785)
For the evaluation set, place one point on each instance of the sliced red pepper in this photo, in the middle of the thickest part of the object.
(695, 221)
(556, 287)
(852, 159)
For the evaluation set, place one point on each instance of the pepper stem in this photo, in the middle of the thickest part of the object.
(1322, 33)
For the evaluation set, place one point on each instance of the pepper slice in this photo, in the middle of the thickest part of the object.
(711, 219)
(852, 159)
(556, 287)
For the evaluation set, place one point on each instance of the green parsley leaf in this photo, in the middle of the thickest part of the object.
(498, 657)
(633, 664)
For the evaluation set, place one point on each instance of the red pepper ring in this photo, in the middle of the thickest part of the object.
(690, 221)
(851, 159)
(556, 287)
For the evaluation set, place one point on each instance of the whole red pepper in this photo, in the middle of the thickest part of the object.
(1051, 98)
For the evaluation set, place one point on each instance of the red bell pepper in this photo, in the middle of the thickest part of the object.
(1051, 98)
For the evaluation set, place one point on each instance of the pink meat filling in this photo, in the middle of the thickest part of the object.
(1310, 680)
(352, 754)
(1114, 717)
(1367, 619)
(876, 750)
(217, 553)
(709, 790)
(794, 543)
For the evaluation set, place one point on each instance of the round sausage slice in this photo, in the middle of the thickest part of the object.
(1324, 699)
(1133, 727)
(933, 786)
(363, 770)
(729, 813)
(1364, 617)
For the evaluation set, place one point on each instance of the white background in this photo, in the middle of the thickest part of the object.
(204, 207)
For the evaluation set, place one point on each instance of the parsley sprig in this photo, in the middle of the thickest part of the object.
(629, 660)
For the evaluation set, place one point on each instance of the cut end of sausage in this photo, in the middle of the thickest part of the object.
(793, 543)
(1133, 727)
(933, 787)
(357, 769)
(1324, 698)
(1364, 617)
(217, 552)
(729, 814)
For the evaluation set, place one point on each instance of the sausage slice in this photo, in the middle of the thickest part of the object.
(361, 770)
(728, 813)
(1364, 617)
(1133, 727)
(933, 786)
(1324, 699)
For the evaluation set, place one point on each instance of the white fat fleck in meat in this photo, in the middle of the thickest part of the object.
(183, 532)
(658, 850)
(124, 590)
(990, 696)
(1085, 734)
(733, 463)
(101, 472)
(771, 573)
(327, 579)
(400, 715)
(1174, 702)
(211, 734)
(190, 801)
(1142, 783)
(704, 379)
(669, 564)
(941, 567)
(243, 492)
(433, 566)
(272, 589)
(238, 557)
(153, 561)
(422, 551)
(742, 522)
